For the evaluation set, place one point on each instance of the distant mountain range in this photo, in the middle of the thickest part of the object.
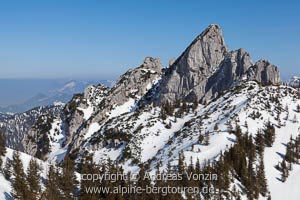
(59, 94)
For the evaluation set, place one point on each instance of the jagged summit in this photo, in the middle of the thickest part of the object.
(210, 30)
(199, 51)
(207, 67)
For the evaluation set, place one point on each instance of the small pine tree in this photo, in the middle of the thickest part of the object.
(229, 128)
(2, 147)
(206, 139)
(295, 120)
(260, 143)
(262, 181)
(216, 127)
(201, 138)
(7, 169)
(87, 167)
(195, 103)
(52, 191)
(284, 171)
(19, 186)
(33, 178)
(68, 178)
(298, 108)
(246, 124)
(278, 118)
(269, 134)
(181, 163)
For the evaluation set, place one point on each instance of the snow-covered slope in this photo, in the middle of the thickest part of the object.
(145, 137)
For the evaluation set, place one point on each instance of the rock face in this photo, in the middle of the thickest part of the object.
(207, 67)
(264, 72)
(231, 70)
(188, 74)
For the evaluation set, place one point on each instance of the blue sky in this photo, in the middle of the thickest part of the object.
(102, 39)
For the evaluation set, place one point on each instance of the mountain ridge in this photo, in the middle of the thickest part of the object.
(197, 110)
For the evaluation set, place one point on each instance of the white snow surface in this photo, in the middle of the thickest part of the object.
(94, 127)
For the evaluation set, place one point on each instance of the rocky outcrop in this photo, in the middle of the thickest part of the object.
(231, 70)
(188, 74)
(264, 72)
(207, 68)
(82, 107)
(36, 142)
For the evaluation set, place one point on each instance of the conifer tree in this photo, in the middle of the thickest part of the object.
(295, 119)
(52, 191)
(284, 171)
(201, 138)
(262, 181)
(68, 178)
(269, 132)
(195, 103)
(7, 169)
(298, 108)
(260, 143)
(87, 167)
(229, 128)
(216, 127)
(2, 147)
(19, 186)
(33, 179)
(181, 163)
(144, 182)
(206, 139)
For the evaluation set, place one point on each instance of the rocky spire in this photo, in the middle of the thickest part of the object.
(207, 67)
(191, 69)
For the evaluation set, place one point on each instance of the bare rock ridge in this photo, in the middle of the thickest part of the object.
(207, 67)
(264, 72)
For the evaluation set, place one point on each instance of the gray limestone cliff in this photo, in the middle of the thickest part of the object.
(207, 68)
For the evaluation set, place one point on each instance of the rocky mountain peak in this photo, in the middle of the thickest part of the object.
(207, 67)
(213, 33)
(205, 52)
